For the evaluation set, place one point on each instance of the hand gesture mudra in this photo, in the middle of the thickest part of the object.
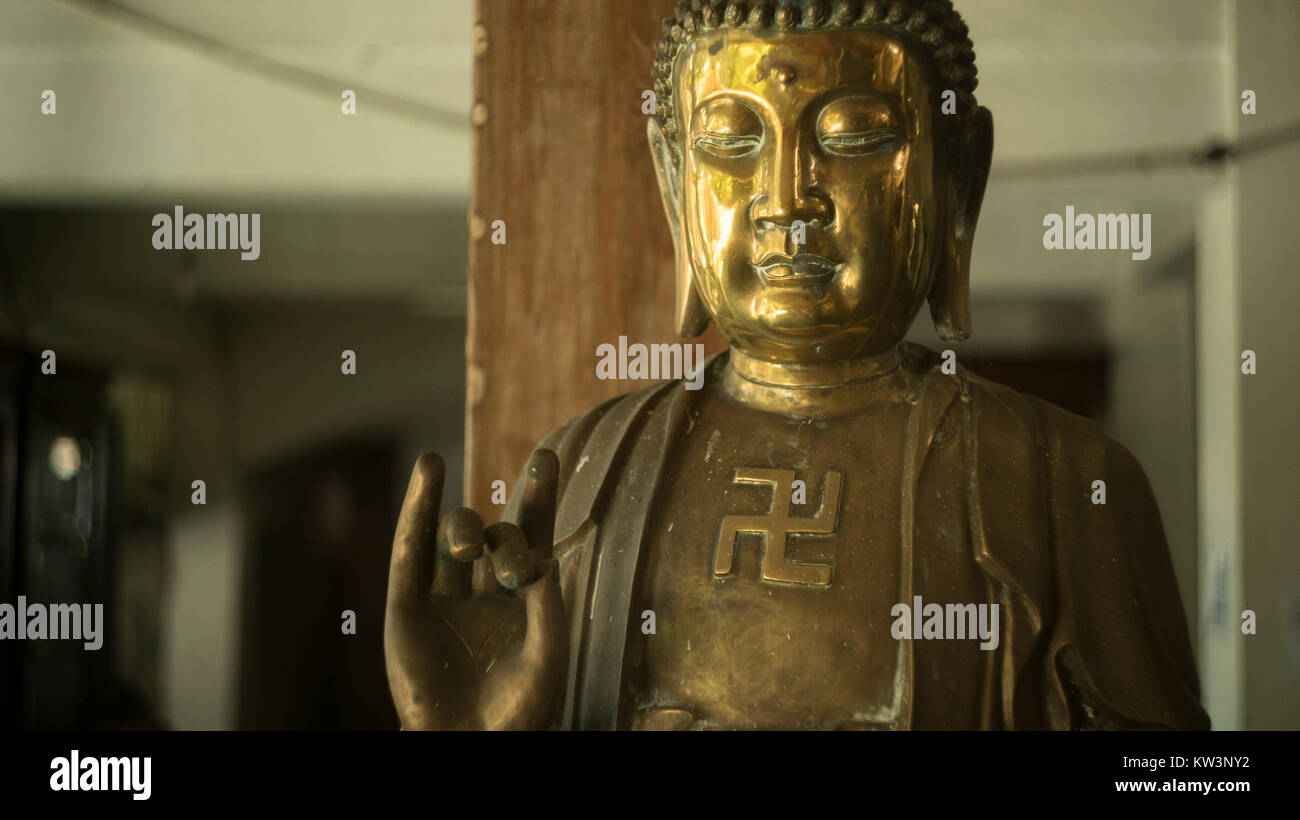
(490, 658)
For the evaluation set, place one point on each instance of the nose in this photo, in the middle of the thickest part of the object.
(788, 193)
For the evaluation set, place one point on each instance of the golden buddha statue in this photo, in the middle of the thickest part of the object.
(793, 545)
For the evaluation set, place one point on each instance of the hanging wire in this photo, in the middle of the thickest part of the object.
(247, 60)
(1214, 152)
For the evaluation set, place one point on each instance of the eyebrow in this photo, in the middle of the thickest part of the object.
(873, 99)
(735, 96)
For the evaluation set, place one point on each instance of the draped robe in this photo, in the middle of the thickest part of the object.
(1093, 630)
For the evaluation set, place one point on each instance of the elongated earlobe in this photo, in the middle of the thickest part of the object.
(950, 293)
(950, 298)
(690, 315)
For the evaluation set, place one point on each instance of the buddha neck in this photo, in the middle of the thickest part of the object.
(819, 390)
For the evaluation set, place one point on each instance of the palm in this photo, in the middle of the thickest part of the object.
(491, 658)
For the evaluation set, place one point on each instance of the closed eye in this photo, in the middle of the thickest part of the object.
(859, 143)
(728, 146)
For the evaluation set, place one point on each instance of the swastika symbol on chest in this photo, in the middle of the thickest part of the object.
(777, 525)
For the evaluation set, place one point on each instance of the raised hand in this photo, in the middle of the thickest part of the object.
(488, 659)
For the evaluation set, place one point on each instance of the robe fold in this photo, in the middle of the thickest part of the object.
(1093, 631)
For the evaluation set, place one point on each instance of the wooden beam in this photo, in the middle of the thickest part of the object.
(560, 155)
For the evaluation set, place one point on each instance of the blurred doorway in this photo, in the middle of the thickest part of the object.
(318, 544)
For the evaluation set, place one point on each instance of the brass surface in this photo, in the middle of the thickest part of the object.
(817, 196)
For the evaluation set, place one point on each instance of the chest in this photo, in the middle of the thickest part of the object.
(774, 562)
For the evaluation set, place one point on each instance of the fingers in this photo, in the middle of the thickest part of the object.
(460, 544)
(537, 511)
(460, 536)
(514, 552)
(530, 694)
(507, 551)
(410, 569)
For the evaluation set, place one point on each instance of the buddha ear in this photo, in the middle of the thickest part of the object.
(690, 315)
(969, 171)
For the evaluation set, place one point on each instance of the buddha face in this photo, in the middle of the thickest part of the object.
(812, 197)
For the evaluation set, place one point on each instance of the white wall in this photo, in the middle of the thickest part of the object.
(1268, 62)
(1248, 296)
(1222, 657)
(1152, 407)
(143, 115)
(200, 635)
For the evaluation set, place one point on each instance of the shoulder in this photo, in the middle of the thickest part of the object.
(1047, 458)
(605, 425)
(602, 426)
(1090, 557)
(594, 447)
(1063, 439)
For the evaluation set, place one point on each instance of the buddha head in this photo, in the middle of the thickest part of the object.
(822, 166)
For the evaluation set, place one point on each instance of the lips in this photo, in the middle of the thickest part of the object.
(800, 269)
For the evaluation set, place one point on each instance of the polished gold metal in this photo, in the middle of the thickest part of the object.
(817, 194)
(777, 525)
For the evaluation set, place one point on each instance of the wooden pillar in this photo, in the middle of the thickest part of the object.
(560, 157)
